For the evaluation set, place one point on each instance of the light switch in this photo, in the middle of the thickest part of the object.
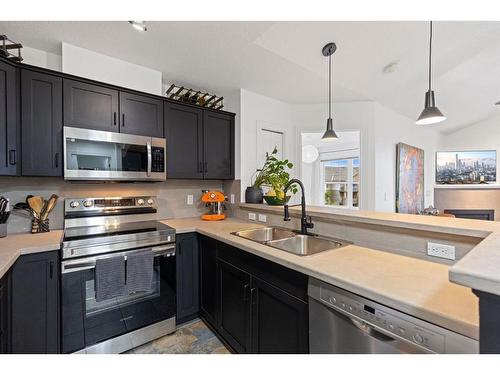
(190, 199)
(232, 199)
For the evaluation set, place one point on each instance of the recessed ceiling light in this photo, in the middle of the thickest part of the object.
(139, 25)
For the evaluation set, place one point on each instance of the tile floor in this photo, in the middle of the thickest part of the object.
(192, 338)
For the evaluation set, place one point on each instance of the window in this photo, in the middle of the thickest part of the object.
(340, 182)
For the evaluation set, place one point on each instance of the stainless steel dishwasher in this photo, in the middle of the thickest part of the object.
(341, 322)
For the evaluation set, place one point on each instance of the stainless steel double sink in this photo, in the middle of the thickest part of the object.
(290, 241)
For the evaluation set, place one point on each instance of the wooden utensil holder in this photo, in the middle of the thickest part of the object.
(40, 226)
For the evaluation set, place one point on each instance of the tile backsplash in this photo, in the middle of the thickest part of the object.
(172, 196)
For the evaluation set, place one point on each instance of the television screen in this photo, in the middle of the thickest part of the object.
(466, 167)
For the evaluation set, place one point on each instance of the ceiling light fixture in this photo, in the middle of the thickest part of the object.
(431, 114)
(330, 134)
(139, 25)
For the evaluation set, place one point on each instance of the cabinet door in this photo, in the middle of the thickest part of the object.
(141, 115)
(218, 145)
(90, 107)
(187, 277)
(9, 154)
(184, 136)
(35, 304)
(41, 124)
(3, 314)
(208, 279)
(279, 321)
(234, 310)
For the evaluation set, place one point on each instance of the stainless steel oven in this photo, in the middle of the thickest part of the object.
(99, 228)
(104, 156)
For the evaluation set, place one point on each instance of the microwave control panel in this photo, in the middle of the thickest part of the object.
(157, 159)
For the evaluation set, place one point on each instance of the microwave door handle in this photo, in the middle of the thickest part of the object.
(148, 145)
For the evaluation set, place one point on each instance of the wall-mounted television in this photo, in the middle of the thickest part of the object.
(466, 167)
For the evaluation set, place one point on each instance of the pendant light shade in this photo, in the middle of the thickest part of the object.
(330, 134)
(431, 114)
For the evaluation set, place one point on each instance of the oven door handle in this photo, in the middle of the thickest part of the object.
(150, 158)
(89, 262)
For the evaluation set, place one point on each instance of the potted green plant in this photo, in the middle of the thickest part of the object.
(277, 176)
(254, 193)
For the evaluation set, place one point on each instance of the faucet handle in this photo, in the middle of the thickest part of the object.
(287, 213)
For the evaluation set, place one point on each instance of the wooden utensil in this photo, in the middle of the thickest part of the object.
(49, 206)
(36, 204)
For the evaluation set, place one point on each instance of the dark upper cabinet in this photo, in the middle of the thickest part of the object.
(141, 115)
(234, 307)
(4, 313)
(218, 145)
(208, 279)
(184, 136)
(35, 303)
(279, 321)
(9, 150)
(90, 106)
(41, 124)
(187, 263)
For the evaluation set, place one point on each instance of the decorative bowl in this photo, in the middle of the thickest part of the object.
(275, 201)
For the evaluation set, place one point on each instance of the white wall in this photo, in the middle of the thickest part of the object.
(483, 135)
(257, 110)
(392, 128)
(33, 56)
(85, 63)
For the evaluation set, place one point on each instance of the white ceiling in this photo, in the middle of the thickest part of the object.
(283, 60)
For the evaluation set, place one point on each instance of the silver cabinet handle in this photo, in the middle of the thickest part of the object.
(148, 145)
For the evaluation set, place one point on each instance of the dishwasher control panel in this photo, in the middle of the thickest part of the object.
(384, 319)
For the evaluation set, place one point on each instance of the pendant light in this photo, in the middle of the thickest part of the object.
(330, 134)
(431, 114)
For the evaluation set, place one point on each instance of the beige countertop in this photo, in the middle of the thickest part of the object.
(478, 269)
(14, 245)
(417, 287)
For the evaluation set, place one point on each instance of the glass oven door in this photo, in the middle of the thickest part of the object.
(86, 322)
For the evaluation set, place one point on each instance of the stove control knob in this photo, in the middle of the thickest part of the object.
(140, 202)
(151, 201)
(418, 338)
(74, 204)
(87, 204)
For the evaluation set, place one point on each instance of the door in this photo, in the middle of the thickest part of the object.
(41, 124)
(234, 310)
(35, 304)
(141, 115)
(187, 277)
(208, 279)
(9, 154)
(90, 106)
(279, 321)
(218, 145)
(184, 136)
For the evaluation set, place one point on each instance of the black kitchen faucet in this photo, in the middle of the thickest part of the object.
(305, 220)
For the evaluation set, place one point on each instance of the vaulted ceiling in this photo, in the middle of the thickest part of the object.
(283, 60)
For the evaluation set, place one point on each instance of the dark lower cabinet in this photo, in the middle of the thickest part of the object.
(90, 106)
(208, 279)
(141, 115)
(9, 124)
(4, 315)
(279, 321)
(187, 263)
(41, 124)
(218, 145)
(234, 307)
(35, 304)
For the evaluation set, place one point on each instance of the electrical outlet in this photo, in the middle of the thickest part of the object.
(190, 199)
(232, 198)
(440, 250)
(262, 218)
(251, 216)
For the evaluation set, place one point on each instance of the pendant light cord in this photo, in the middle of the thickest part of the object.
(430, 55)
(330, 86)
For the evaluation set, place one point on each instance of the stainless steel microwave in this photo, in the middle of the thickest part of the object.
(106, 156)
